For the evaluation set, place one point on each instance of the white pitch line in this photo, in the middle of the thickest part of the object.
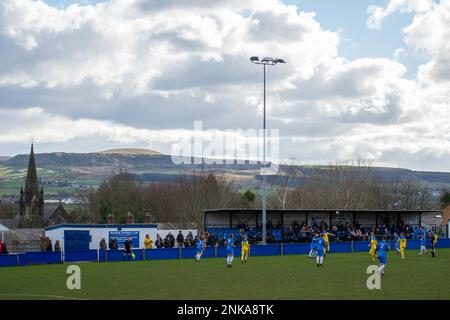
(39, 295)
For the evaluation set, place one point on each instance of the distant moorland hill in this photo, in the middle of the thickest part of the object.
(66, 173)
(132, 151)
(3, 159)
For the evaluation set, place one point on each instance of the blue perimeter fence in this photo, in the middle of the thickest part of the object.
(32, 258)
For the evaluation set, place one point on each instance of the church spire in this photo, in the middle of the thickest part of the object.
(31, 198)
(32, 183)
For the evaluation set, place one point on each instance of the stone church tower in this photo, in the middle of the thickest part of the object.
(32, 198)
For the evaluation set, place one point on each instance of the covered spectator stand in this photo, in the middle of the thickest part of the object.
(223, 221)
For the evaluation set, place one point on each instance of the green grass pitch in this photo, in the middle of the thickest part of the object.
(275, 277)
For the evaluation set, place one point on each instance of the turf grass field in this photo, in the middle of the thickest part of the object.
(271, 277)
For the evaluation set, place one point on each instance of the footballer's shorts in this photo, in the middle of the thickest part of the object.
(230, 251)
(382, 259)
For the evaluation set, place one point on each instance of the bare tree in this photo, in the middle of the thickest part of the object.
(8, 210)
(282, 184)
(203, 191)
(343, 185)
(181, 202)
(411, 194)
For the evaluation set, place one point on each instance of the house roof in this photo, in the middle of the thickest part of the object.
(254, 210)
(60, 212)
(91, 226)
(10, 223)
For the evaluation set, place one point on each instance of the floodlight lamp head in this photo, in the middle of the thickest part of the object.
(254, 59)
(278, 61)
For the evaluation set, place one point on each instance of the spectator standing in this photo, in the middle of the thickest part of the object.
(57, 246)
(212, 238)
(148, 242)
(4, 250)
(103, 245)
(195, 241)
(189, 240)
(171, 239)
(167, 243)
(180, 239)
(223, 242)
(113, 245)
(49, 245)
(159, 241)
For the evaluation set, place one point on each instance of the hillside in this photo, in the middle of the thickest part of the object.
(132, 151)
(3, 159)
(133, 160)
(68, 173)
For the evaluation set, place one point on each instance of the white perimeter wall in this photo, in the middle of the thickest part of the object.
(98, 233)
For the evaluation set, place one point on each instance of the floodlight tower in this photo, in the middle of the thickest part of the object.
(265, 62)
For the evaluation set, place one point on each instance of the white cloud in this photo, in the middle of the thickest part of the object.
(140, 72)
(398, 53)
(118, 43)
(377, 13)
(19, 126)
(430, 33)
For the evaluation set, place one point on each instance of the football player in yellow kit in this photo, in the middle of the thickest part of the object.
(434, 239)
(325, 236)
(373, 247)
(403, 242)
(245, 250)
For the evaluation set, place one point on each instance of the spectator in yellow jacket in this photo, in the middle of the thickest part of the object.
(148, 242)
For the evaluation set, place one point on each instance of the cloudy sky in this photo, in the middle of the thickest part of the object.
(364, 78)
